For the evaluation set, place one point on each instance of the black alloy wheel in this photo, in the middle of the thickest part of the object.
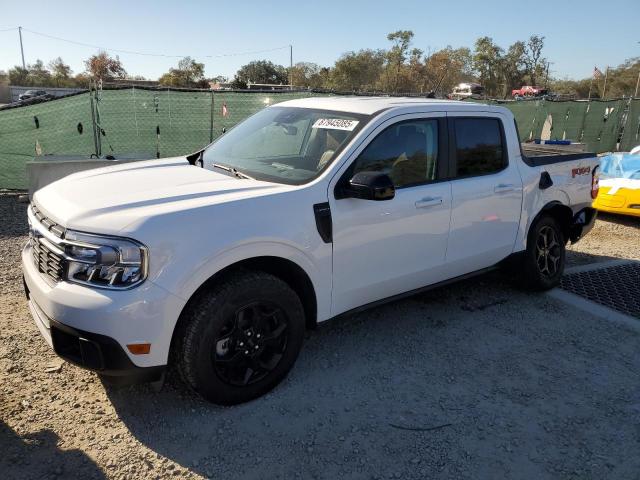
(548, 251)
(239, 338)
(251, 344)
(544, 259)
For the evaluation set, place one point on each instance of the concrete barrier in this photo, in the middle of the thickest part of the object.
(47, 169)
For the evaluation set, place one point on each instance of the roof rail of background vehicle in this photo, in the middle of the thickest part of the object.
(371, 105)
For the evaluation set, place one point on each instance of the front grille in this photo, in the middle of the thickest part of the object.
(53, 227)
(48, 261)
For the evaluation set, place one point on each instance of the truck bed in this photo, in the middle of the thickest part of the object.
(536, 155)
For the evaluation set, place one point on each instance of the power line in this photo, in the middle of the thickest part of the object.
(8, 29)
(147, 54)
(247, 52)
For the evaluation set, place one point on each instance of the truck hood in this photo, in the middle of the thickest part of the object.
(106, 200)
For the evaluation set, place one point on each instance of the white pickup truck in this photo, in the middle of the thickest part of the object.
(217, 262)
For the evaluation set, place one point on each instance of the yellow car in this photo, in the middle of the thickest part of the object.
(619, 184)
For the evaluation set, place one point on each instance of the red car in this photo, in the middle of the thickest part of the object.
(529, 91)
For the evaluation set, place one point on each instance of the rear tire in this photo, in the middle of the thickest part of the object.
(241, 338)
(545, 255)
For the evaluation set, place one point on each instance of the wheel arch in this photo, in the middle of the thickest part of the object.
(558, 211)
(287, 270)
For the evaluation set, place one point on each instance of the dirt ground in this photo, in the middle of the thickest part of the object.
(613, 236)
(476, 380)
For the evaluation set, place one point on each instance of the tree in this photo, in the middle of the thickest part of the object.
(445, 68)
(82, 80)
(60, 72)
(486, 61)
(260, 71)
(188, 74)
(310, 75)
(573, 88)
(512, 68)
(219, 79)
(622, 80)
(396, 57)
(19, 76)
(103, 67)
(39, 76)
(533, 59)
(357, 71)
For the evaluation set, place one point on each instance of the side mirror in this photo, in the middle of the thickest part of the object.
(370, 186)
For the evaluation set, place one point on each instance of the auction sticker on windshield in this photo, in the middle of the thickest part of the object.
(336, 124)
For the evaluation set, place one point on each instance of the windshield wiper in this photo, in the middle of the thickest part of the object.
(234, 171)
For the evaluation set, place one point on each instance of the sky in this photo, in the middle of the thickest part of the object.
(579, 34)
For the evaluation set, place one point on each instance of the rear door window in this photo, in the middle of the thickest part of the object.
(479, 146)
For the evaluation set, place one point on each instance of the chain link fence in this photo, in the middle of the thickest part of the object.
(155, 123)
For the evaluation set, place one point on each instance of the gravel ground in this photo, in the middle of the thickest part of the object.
(476, 380)
(614, 236)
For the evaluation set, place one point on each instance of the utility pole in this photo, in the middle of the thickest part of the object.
(637, 83)
(21, 48)
(546, 80)
(290, 67)
(604, 89)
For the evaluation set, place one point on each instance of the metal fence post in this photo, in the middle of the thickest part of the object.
(211, 120)
(93, 121)
(624, 119)
(584, 120)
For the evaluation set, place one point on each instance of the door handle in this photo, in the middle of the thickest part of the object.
(504, 188)
(429, 202)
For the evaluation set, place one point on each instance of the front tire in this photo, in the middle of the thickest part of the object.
(241, 338)
(545, 256)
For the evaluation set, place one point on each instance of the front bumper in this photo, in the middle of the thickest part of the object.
(91, 328)
(622, 205)
(92, 351)
(623, 202)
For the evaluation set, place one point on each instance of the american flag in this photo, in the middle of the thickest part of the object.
(225, 112)
(596, 73)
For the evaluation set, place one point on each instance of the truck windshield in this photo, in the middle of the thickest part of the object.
(284, 144)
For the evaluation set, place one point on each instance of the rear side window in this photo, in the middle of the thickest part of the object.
(479, 146)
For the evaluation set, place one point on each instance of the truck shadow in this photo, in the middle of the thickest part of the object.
(420, 381)
(37, 455)
(625, 220)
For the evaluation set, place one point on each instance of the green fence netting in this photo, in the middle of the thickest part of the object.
(567, 119)
(525, 115)
(597, 123)
(56, 127)
(152, 123)
(132, 121)
(602, 125)
(165, 123)
(160, 123)
(631, 134)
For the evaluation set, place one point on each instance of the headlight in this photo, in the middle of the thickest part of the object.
(104, 261)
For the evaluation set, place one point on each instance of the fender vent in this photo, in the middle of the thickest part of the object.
(616, 287)
(322, 212)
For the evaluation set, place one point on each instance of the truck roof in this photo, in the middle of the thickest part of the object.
(371, 105)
